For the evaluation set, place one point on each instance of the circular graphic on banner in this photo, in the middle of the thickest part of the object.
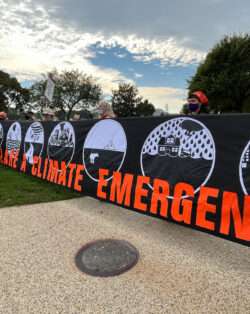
(105, 147)
(33, 142)
(1, 134)
(244, 169)
(179, 150)
(14, 137)
(61, 144)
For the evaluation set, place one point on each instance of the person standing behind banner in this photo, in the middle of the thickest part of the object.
(105, 110)
(3, 115)
(29, 116)
(48, 115)
(197, 103)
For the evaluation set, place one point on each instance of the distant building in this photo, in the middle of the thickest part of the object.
(246, 159)
(169, 146)
(159, 113)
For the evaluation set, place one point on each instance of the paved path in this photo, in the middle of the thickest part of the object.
(179, 271)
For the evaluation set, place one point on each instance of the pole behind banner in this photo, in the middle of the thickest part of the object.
(50, 87)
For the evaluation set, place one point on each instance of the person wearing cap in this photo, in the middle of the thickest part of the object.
(105, 110)
(197, 103)
(3, 115)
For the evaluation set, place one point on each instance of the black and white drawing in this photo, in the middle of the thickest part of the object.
(1, 134)
(61, 144)
(33, 141)
(244, 169)
(105, 147)
(14, 137)
(179, 150)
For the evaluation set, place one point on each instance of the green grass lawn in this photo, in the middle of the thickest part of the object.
(18, 189)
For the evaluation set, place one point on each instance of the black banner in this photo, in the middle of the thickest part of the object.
(194, 171)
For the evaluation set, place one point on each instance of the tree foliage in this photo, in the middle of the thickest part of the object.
(145, 108)
(11, 93)
(73, 91)
(225, 75)
(126, 102)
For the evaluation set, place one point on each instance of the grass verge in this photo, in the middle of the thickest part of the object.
(19, 189)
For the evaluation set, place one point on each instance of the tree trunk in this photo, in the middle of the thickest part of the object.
(68, 114)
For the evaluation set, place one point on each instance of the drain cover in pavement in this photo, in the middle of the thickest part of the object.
(106, 258)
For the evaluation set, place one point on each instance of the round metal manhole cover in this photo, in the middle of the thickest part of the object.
(106, 258)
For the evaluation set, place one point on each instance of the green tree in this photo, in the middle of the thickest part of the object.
(125, 100)
(12, 95)
(225, 75)
(145, 108)
(73, 91)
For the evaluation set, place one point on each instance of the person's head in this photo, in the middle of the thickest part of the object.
(29, 115)
(104, 110)
(76, 117)
(196, 101)
(3, 115)
(48, 115)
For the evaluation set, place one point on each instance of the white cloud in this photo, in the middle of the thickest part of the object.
(120, 55)
(138, 75)
(31, 41)
(35, 38)
(28, 53)
(165, 97)
(167, 51)
(196, 24)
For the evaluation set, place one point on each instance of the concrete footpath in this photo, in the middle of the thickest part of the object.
(180, 270)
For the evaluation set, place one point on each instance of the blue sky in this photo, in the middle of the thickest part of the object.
(143, 73)
(155, 45)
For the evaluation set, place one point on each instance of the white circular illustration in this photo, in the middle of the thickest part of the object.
(105, 147)
(33, 141)
(244, 169)
(61, 144)
(1, 134)
(179, 150)
(14, 137)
